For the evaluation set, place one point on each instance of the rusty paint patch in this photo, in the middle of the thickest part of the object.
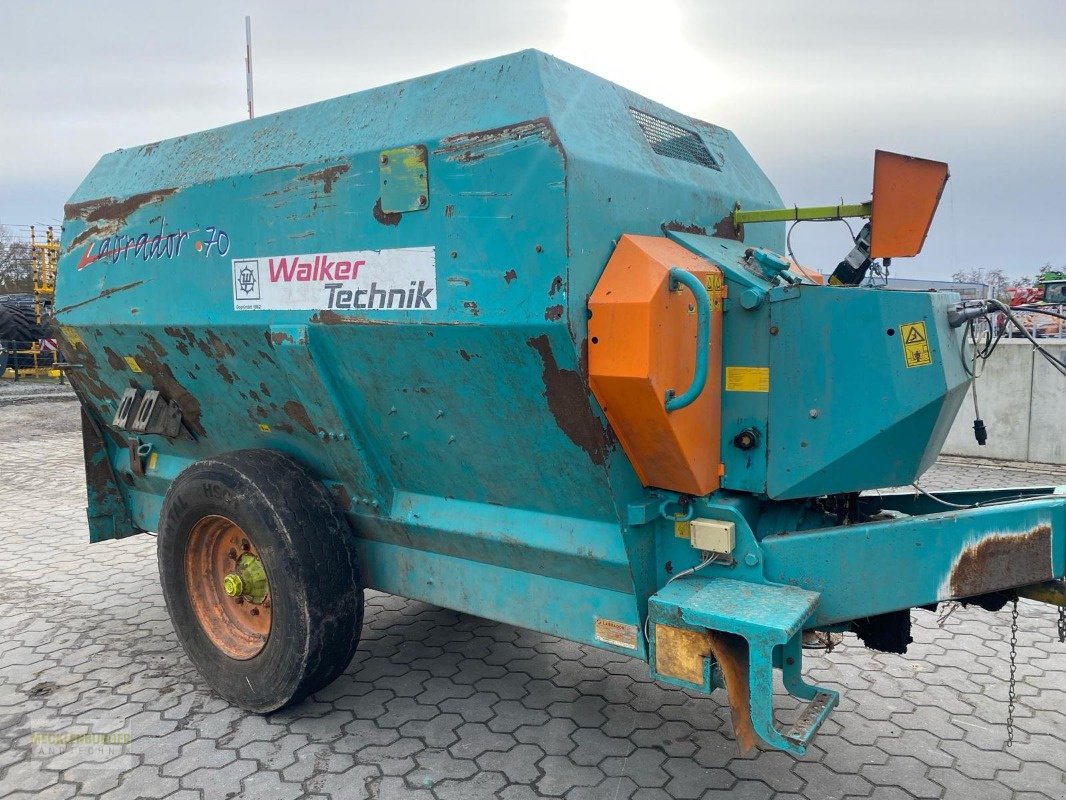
(476, 145)
(680, 227)
(86, 380)
(110, 209)
(725, 229)
(154, 344)
(568, 401)
(553, 313)
(386, 217)
(281, 167)
(326, 176)
(279, 338)
(105, 215)
(458, 280)
(731, 653)
(1003, 561)
(298, 414)
(164, 382)
(114, 360)
(227, 376)
(465, 355)
(341, 496)
(471, 308)
(263, 388)
(220, 348)
(101, 296)
(557, 284)
(510, 275)
(449, 210)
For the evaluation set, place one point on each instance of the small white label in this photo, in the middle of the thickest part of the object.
(359, 280)
(617, 633)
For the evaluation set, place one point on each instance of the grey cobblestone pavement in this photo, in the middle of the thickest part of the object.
(443, 705)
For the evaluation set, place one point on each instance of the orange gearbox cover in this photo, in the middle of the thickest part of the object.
(642, 341)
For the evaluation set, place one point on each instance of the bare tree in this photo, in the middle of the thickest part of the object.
(995, 279)
(15, 266)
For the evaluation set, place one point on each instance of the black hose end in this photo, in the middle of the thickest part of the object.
(979, 432)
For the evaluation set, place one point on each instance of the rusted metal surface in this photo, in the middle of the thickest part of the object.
(553, 313)
(226, 375)
(510, 275)
(568, 401)
(386, 217)
(681, 227)
(726, 228)
(466, 148)
(731, 653)
(1002, 561)
(680, 653)
(105, 293)
(107, 214)
(326, 176)
(237, 626)
(163, 381)
(298, 414)
(111, 519)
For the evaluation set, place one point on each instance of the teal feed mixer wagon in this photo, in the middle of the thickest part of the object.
(516, 341)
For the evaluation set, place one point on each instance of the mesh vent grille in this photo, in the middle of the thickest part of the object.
(673, 141)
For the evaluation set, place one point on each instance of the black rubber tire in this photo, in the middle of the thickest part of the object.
(308, 550)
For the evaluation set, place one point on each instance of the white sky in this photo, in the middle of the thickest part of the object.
(811, 89)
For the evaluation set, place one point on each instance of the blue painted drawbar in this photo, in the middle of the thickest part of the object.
(393, 289)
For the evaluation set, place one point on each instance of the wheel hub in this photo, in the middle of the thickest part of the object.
(228, 587)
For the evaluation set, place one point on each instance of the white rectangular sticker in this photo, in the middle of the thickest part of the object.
(617, 633)
(371, 280)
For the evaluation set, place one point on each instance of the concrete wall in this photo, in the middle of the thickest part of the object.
(1023, 404)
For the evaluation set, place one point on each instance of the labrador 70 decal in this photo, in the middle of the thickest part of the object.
(373, 280)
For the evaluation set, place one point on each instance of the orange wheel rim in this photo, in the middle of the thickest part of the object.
(228, 587)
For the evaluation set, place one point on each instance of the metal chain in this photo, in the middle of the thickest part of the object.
(1013, 669)
(1062, 624)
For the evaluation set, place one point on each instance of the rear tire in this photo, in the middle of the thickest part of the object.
(261, 646)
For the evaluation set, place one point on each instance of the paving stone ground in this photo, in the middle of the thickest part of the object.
(444, 705)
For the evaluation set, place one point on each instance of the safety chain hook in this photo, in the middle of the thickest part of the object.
(1013, 670)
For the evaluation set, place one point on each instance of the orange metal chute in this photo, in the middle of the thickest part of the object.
(906, 193)
(642, 342)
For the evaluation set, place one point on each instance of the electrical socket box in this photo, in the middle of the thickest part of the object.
(713, 536)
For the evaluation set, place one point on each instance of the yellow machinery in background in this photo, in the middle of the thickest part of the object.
(41, 350)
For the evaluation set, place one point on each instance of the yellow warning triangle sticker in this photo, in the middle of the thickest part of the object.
(914, 336)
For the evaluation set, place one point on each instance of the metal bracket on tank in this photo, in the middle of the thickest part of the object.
(149, 412)
(710, 632)
(404, 179)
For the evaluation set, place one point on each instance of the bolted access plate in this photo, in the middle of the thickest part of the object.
(404, 174)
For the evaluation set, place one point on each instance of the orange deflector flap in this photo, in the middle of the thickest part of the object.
(906, 193)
